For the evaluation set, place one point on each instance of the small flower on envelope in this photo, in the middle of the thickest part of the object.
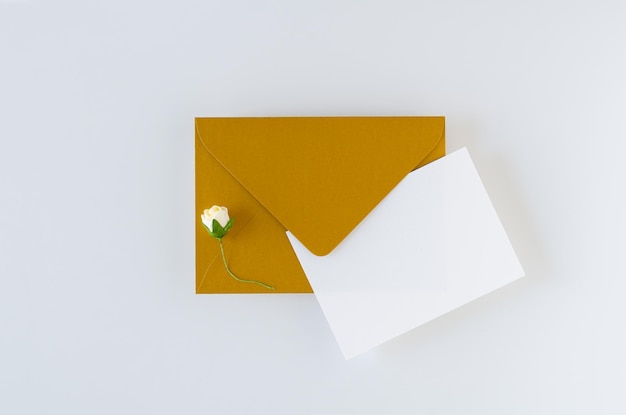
(217, 221)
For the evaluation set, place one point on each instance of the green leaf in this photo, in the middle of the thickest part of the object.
(213, 234)
(229, 225)
(217, 228)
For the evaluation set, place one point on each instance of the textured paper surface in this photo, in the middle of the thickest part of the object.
(278, 174)
(433, 244)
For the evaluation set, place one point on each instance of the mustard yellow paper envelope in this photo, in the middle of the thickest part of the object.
(317, 177)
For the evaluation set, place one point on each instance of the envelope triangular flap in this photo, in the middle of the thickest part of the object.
(320, 176)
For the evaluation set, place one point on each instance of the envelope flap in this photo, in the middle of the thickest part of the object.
(320, 176)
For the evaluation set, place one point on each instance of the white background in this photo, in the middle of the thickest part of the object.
(97, 307)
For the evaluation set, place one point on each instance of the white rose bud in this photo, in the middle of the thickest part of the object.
(220, 215)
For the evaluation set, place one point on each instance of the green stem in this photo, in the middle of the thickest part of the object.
(269, 287)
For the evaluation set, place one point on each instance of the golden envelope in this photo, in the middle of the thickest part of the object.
(317, 177)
